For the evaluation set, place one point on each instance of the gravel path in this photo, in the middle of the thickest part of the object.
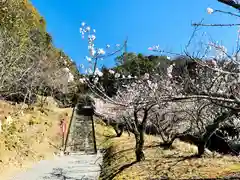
(69, 167)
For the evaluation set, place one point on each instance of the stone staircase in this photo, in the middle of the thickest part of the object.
(81, 134)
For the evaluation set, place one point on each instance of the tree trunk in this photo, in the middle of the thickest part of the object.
(118, 129)
(201, 148)
(139, 130)
(139, 146)
(210, 129)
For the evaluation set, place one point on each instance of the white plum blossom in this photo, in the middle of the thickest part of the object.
(111, 71)
(101, 51)
(88, 29)
(94, 30)
(154, 48)
(155, 85)
(91, 46)
(210, 10)
(107, 46)
(133, 84)
(98, 72)
(169, 71)
(88, 59)
(149, 82)
(83, 23)
(82, 80)
(214, 63)
(70, 77)
(92, 37)
(220, 50)
(146, 76)
(66, 69)
(168, 57)
(123, 76)
(220, 91)
(95, 80)
(92, 51)
(82, 31)
(117, 75)
(129, 76)
(117, 45)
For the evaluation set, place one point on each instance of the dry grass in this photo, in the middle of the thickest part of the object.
(22, 144)
(34, 135)
(175, 163)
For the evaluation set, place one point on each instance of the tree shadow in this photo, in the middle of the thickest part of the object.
(111, 155)
(55, 146)
(118, 171)
(58, 173)
(110, 136)
(175, 161)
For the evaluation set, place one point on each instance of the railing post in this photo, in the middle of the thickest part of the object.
(68, 131)
(94, 136)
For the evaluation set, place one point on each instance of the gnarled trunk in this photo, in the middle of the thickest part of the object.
(139, 146)
(210, 130)
(118, 130)
(139, 130)
(201, 140)
(201, 148)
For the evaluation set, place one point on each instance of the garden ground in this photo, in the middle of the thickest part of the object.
(34, 135)
(175, 163)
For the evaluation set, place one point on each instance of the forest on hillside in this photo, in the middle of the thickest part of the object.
(30, 63)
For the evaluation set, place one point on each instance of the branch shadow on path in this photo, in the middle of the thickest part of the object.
(119, 170)
(58, 173)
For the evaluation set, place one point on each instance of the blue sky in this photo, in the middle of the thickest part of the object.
(145, 22)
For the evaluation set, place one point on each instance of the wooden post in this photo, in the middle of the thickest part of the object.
(94, 137)
(69, 126)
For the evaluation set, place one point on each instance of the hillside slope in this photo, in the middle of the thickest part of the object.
(30, 63)
(33, 135)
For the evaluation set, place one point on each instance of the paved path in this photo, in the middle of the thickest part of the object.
(70, 167)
